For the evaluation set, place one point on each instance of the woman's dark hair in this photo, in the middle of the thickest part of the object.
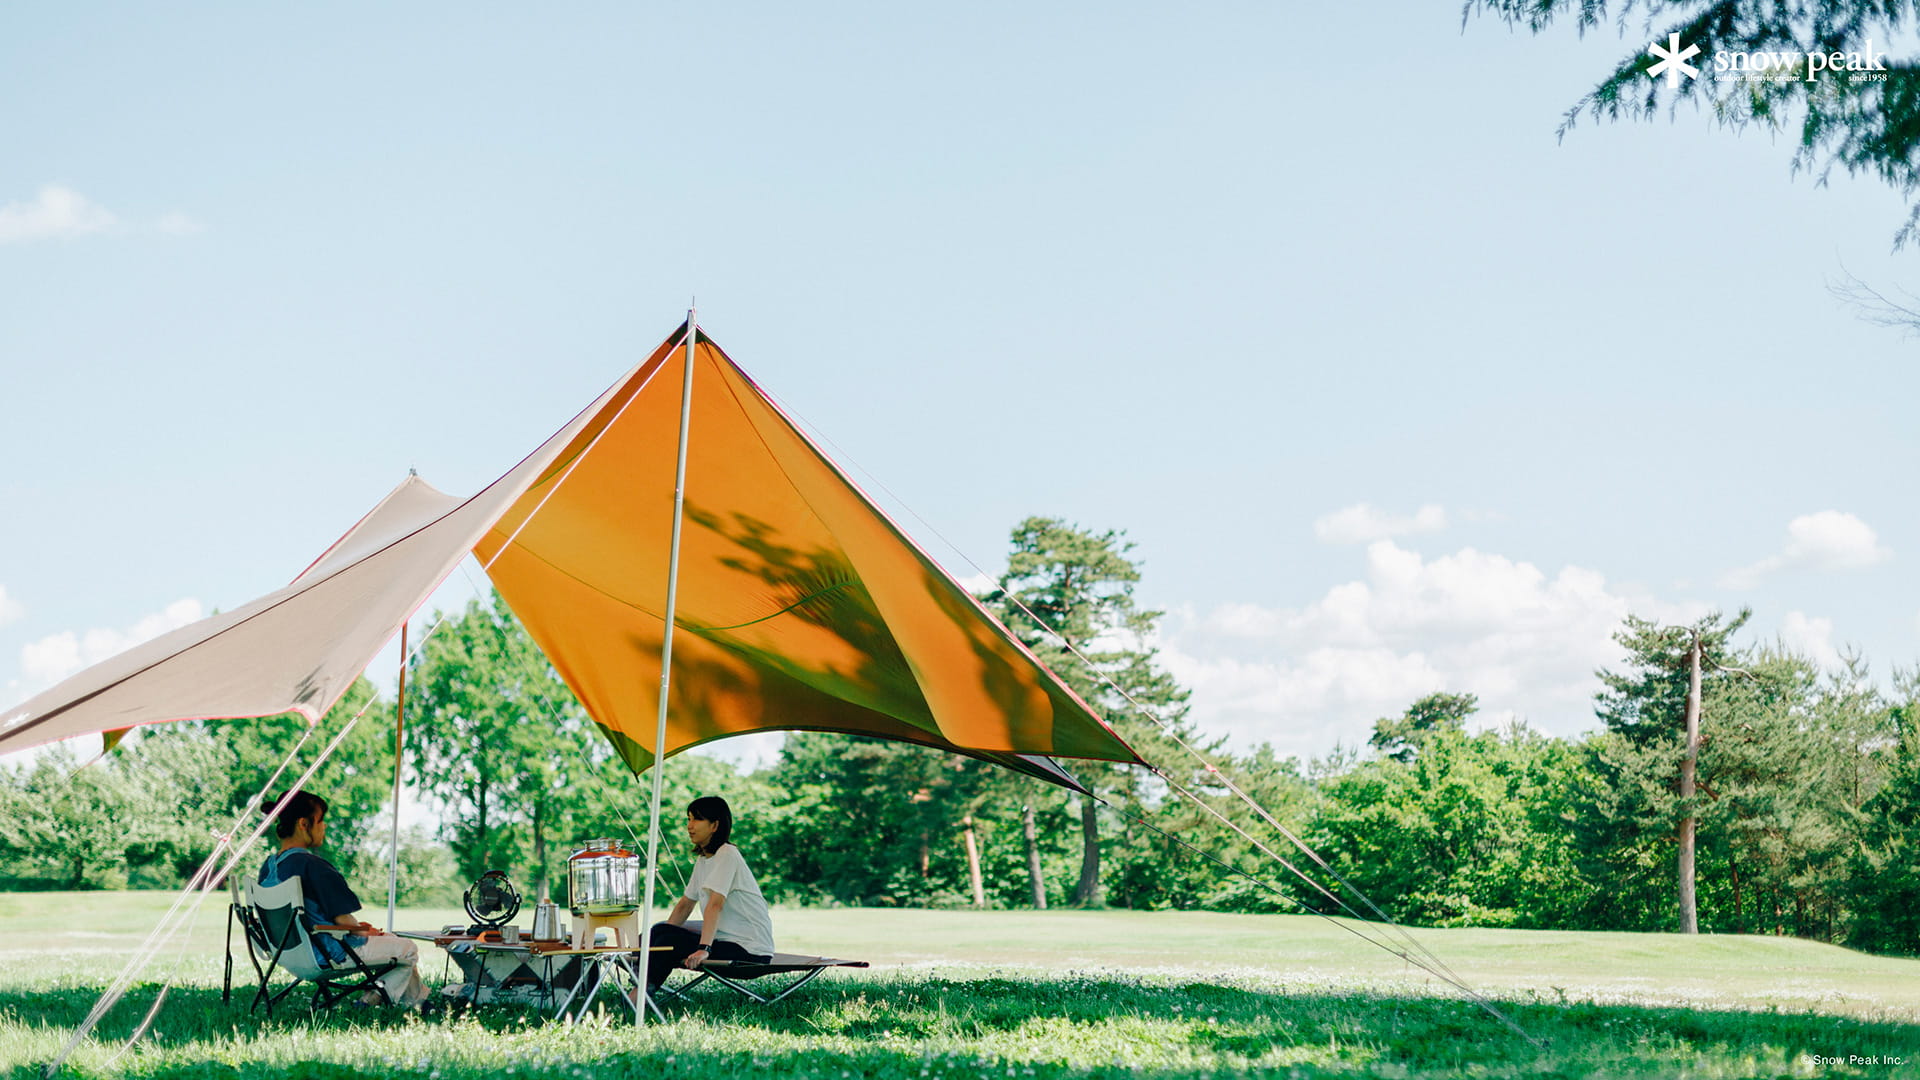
(301, 806)
(715, 809)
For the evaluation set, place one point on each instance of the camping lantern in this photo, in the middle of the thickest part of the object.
(603, 878)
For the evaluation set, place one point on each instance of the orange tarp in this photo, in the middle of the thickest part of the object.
(800, 606)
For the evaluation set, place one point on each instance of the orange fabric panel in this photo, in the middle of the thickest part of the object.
(800, 605)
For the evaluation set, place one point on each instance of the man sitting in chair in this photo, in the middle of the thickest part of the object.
(302, 826)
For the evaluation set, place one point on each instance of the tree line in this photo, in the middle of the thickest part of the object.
(1794, 803)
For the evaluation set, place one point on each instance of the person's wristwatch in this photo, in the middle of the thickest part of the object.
(702, 948)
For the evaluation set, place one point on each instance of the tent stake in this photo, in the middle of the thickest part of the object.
(399, 744)
(666, 674)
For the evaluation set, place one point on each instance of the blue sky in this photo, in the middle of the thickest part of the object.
(1394, 390)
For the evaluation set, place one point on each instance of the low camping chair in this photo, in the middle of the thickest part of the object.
(279, 929)
(733, 974)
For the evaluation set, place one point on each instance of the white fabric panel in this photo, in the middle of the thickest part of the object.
(298, 648)
(407, 507)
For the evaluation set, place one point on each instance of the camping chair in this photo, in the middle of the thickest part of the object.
(733, 973)
(279, 928)
(238, 912)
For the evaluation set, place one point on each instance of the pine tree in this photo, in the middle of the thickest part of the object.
(1653, 706)
(1863, 121)
(1065, 582)
(1885, 861)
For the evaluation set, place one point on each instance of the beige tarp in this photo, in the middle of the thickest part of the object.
(296, 649)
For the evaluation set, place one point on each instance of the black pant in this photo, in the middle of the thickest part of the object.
(684, 941)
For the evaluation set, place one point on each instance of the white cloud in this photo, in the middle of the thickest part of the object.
(58, 211)
(178, 224)
(1362, 524)
(1831, 540)
(55, 211)
(1470, 622)
(1813, 637)
(977, 583)
(56, 656)
(1827, 540)
(10, 608)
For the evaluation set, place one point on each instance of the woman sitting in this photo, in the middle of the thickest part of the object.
(734, 923)
(302, 826)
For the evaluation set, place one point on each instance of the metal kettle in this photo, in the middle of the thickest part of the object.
(546, 921)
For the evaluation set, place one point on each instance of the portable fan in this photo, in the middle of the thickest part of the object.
(492, 901)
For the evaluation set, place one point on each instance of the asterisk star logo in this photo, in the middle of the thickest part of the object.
(1673, 61)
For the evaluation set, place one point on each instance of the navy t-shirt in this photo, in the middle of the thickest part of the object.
(328, 895)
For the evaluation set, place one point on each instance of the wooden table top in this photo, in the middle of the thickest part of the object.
(539, 948)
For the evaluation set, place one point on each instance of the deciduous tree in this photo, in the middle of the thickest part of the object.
(1400, 737)
(1466, 833)
(500, 739)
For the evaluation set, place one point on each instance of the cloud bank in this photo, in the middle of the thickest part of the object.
(1811, 636)
(1470, 622)
(56, 656)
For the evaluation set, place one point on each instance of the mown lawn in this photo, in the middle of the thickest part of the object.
(1020, 994)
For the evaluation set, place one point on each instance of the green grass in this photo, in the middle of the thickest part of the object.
(1020, 994)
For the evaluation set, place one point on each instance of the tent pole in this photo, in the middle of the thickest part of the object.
(399, 744)
(666, 672)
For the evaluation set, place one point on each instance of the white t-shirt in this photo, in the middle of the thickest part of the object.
(744, 921)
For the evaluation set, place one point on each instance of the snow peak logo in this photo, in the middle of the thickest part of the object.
(1866, 65)
(1673, 61)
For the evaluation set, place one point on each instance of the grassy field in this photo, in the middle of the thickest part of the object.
(1019, 994)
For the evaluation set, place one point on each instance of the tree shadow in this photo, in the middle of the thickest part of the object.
(863, 685)
(910, 1025)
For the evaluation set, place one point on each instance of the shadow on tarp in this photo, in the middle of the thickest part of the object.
(936, 1028)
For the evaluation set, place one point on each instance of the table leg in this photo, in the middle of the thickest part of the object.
(588, 973)
(635, 967)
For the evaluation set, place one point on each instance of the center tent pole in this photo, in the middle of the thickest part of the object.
(666, 673)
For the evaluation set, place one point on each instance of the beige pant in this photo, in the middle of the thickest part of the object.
(403, 983)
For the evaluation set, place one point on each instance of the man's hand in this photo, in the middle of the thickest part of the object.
(352, 926)
(692, 964)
